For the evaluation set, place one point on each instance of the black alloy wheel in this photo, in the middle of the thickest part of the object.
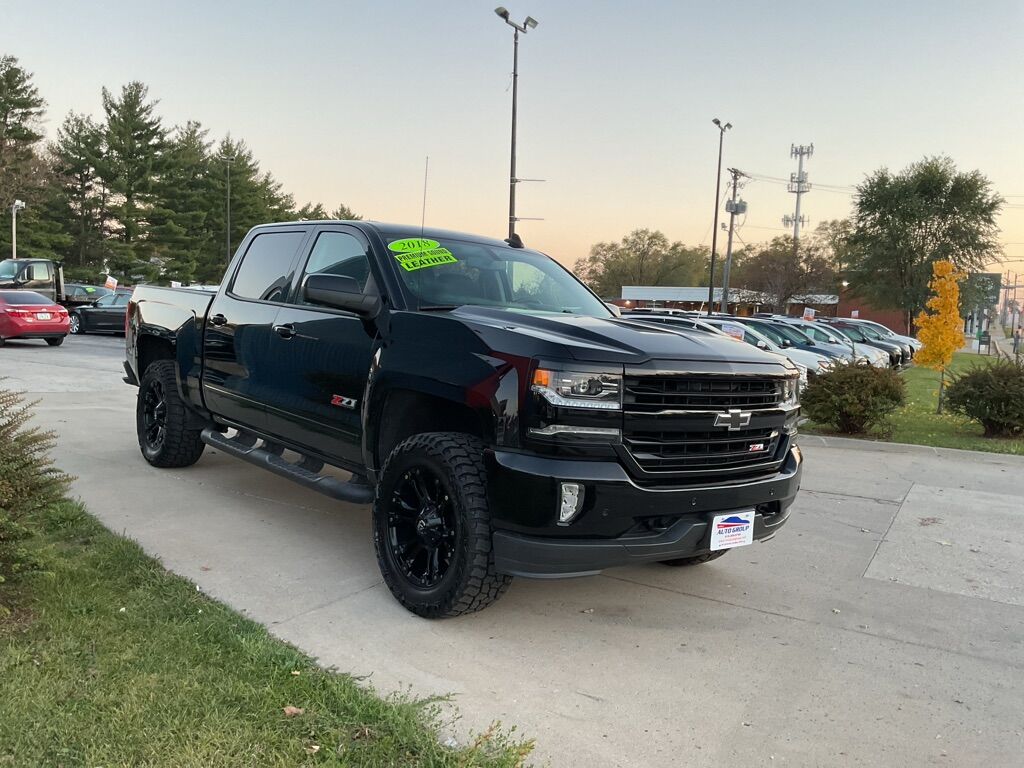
(432, 526)
(154, 415)
(423, 527)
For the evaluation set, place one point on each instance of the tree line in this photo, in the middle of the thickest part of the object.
(900, 225)
(126, 195)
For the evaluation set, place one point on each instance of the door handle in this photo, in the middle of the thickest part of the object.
(218, 320)
(285, 331)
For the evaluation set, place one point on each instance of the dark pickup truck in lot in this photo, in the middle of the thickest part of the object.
(496, 414)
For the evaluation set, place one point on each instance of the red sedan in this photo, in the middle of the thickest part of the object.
(29, 315)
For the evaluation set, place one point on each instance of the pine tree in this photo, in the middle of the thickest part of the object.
(76, 155)
(344, 213)
(179, 228)
(135, 141)
(21, 110)
(941, 330)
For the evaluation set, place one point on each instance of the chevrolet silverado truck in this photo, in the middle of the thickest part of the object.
(498, 417)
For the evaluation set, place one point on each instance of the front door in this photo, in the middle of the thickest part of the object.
(322, 355)
(239, 370)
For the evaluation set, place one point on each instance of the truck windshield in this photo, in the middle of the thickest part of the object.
(452, 273)
(9, 268)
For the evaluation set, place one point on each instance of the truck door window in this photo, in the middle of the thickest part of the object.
(39, 271)
(339, 253)
(266, 267)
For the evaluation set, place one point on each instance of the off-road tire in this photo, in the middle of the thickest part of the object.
(55, 341)
(707, 557)
(181, 446)
(471, 582)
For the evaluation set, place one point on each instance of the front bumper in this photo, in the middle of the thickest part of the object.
(660, 523)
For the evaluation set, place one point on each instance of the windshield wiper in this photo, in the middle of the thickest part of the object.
(437, 307)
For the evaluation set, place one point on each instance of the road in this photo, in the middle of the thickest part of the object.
(883, 626)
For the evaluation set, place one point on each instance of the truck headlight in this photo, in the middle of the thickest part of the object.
(570, 389)
(791, 390)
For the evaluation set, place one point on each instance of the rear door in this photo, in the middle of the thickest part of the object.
(239, 371)
(110, 315)
(323, 355)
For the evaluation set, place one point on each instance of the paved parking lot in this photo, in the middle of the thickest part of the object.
(884, 625)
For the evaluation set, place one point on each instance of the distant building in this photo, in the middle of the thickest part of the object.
(741, 300)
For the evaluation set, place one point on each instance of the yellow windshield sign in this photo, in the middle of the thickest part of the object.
(435, 257)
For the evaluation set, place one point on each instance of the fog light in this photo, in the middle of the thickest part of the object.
(570, 501)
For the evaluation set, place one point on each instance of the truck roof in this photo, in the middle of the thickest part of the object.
(385, 229)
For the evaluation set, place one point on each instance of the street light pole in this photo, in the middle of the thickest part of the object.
(18, 206)
(228, 160)
(528, 24)
(714, 229)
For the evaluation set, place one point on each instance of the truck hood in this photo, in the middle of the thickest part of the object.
(600, 340)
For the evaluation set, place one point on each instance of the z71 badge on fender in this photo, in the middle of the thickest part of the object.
(344, 402)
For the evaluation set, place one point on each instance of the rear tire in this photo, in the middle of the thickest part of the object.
(161, 419)
(696, 560)
(76, 324)
(432, 526)
(55, 341)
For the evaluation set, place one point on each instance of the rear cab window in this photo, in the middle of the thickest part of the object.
(266, 268)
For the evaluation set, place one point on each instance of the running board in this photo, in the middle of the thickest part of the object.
(268, 456)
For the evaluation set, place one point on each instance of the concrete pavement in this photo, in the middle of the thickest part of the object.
(883, 626)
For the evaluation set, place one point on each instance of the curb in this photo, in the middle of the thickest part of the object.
(805, 440)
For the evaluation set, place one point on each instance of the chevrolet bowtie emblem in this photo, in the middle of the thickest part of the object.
(734, 420)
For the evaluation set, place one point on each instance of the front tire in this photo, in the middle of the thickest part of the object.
(76, 324)
(161, 419)
(432, 526)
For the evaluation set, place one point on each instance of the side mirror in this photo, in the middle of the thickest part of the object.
(786, 343)
(340, 292)
(762, 345)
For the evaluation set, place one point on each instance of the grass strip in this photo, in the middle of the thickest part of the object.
(110, 660)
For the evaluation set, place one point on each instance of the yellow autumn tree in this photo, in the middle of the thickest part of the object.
(941, 329)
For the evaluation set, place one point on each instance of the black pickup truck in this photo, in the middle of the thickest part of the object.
(496, 414)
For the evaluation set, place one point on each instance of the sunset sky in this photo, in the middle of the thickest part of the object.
(342, 101)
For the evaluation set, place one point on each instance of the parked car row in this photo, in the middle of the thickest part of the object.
(814, 346)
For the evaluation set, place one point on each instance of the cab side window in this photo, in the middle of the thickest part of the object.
(339, 253)
(38, 271)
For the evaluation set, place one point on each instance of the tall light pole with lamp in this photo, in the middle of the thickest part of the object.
(228, 160)
(19, 205)
(528, 24)
(714, 230)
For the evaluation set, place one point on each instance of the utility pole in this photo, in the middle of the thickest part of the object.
(714, 226)
(798, 185)
(734, 207)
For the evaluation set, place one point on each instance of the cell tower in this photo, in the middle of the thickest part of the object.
(798, 185)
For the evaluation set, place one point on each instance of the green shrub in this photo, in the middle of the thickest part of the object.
(854, 398)
(993, 394)
(29, 484)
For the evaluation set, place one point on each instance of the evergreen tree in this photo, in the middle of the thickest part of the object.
(344, 213)
(310, 212)
(21, 109)
(135, 141)
(179, 230)
(76, 156)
